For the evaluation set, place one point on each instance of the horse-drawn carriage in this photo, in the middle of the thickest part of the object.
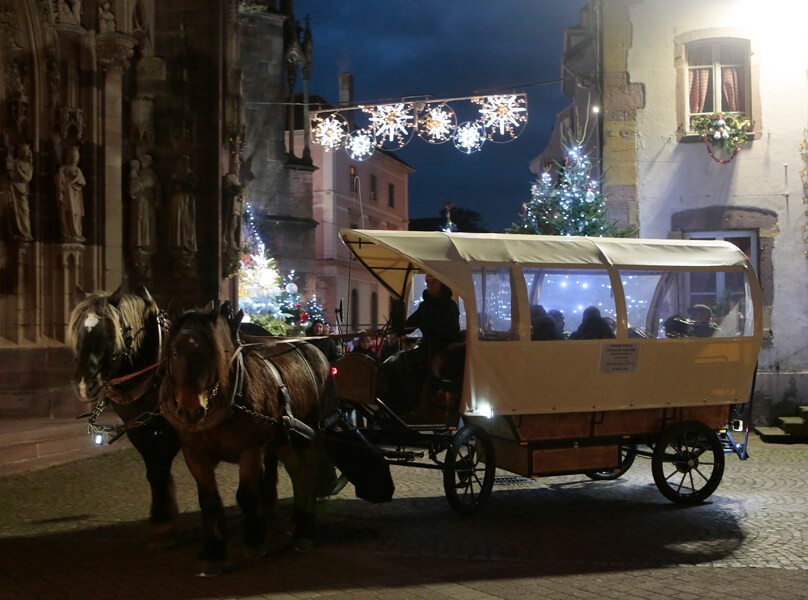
(661, 385)
(662, 382)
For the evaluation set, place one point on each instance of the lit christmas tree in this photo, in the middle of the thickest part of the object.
(295, 310)
(267, 301)
(573, 206)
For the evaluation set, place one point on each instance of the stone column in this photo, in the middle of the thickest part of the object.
(71, 263)
(114, 52)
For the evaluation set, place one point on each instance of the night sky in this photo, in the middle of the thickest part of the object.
(448, 49)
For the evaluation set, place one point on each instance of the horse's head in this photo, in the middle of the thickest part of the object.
(200, 347)
(96, 337)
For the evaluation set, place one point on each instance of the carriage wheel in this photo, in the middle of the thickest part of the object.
(628, 452)
(688, 462)
(468, 471)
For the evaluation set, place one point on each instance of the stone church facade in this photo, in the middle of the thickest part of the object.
(130, 132)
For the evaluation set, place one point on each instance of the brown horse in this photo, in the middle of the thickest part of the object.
(245, 404)
(117, 343)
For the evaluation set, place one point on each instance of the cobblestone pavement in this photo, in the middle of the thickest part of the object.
(77, 531)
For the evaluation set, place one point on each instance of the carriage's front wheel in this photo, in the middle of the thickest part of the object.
(468, 471)
(688, 462)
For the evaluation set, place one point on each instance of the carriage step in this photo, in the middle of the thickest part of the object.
(407, 455)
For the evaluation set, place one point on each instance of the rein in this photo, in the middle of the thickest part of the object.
(132, 396)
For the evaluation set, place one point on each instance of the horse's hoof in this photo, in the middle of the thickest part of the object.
(303, 545)
(208, 568)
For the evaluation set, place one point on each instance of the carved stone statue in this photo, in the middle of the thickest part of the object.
(143, 216)
(20, 171)
(233, 206)
(106, 18)
(70, 184)
(182, 208)
(69, 11)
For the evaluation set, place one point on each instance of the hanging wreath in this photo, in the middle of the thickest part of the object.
(724, 131)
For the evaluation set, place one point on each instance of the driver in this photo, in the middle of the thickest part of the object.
(437, 316)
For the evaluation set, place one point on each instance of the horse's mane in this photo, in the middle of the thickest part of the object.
(219, 335)
(132, 310)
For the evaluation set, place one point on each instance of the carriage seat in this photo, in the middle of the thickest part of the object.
(356, 378)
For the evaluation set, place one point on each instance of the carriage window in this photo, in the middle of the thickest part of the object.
(570, 292)
(688, 304)
(492, 291)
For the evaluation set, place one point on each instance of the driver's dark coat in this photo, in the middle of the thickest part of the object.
(438, 318)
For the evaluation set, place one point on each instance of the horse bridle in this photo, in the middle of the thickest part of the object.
(138, 392)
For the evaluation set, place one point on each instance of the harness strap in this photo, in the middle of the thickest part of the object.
(291, 424)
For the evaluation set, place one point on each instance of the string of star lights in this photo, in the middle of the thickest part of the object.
(391, 126)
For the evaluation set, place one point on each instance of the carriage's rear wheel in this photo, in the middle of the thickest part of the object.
(468, 471)
(628, 452)
(688, 462)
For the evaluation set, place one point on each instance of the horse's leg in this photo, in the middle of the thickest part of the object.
(269, 483)
(248, 496)
(214, 526)
(302, 466)
(158, 444)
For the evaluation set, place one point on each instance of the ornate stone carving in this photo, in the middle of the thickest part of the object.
(182, 216)
(143, 120)
(106, 18)
(72, 123)
(9, 24)
(20, 171)
(70, 184)
(114, 51)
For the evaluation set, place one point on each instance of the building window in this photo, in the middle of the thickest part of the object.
(715, 289)
(718, 77)
(373, 187)
(391, 195)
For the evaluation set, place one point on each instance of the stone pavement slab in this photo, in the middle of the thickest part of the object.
(77, 531)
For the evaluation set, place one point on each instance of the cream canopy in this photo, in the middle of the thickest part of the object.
(391, 256)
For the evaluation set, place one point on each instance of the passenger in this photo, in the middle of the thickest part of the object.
(560, 322)
(592, 327)
(702, 317)
(391, 346)
(542, 325)
(362, 345)
(677, 327)
(325, 344)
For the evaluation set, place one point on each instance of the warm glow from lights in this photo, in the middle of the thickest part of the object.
(503, 117)
(393, 124)
(436, 123)
(330, 131)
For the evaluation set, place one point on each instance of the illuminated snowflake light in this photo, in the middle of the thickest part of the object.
(504, 117)
(330, 131)
(360, 144)
(393, 124)
(436, 123)
(469, 137)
